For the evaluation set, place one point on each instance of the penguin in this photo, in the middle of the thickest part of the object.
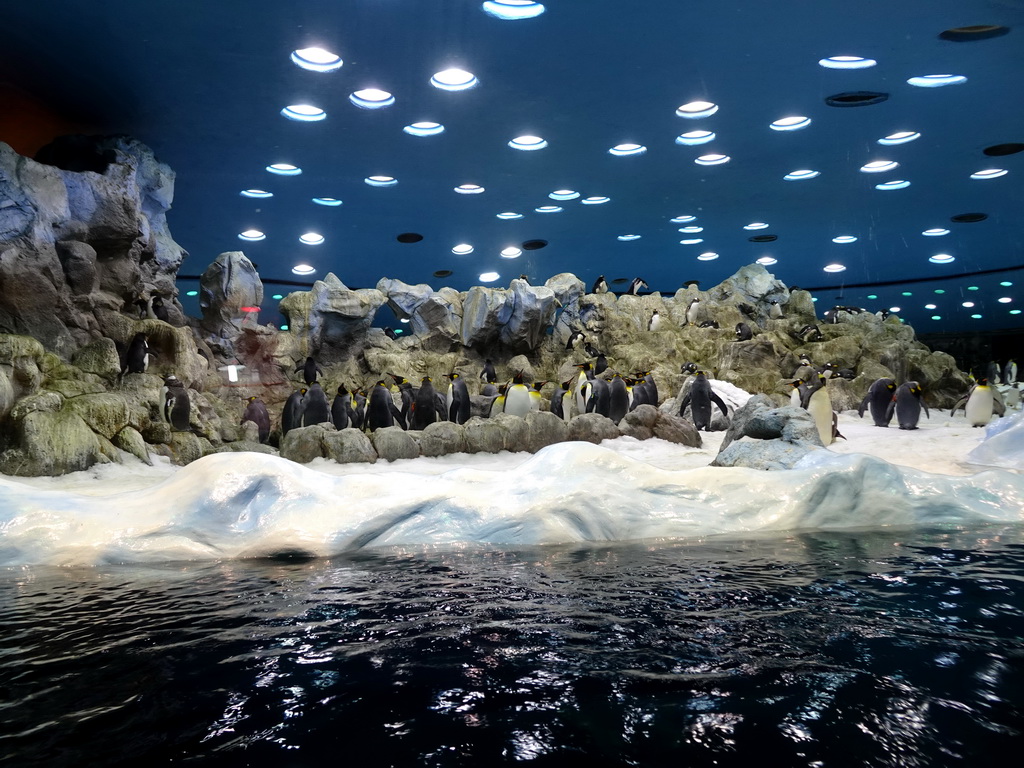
(709, 324)
(591, 350)
(309, 370)
(600, 402)
(907, 405)
(828, 369)
(978, 404)
(688, 369)
(358, 412)
(380, 409)
(498, 403)
(810, 333)
(845, 373)
(600, 364)
(160, 309)
(1010, 372)
(743, 332)
(747, 310)
(883, 314)
(136, 358)
(517, 397)
(638, 393)
(692, 310)
(405, 390)
(651, 387)
(817, 402)
(256, 412)
(459, 405)
(535, 395)
(806, 369)
(994, 372)
(341, 408)
(600, 285)
(424, 408)
(775, 310)
(584, 388)
(559, 405)
(316, 409)
(488, 374)
(878, 400)
(176, 408)
(699, 398)
(636, 286)
(796, 393)
(291, 414)
(575, 339)
(618, 399)
(489, 390)
(654, 323)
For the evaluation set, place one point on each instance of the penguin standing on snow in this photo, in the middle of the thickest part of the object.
(636, 286)
(692, 310)
(309, 371)
(341, 408)
(907, 405)
(654, 323)
(176, 406)
(316, 409)
(743, 332)
(994, 373)
(817, 402)
(1010, 372)
(458, 395)
(700, 398)
(291, 414)
(600, 285)
(878, 400)
(256, 412)
(978, 404)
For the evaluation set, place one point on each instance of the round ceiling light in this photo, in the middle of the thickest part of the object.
(989, 173)
(712, 159)
(527, 143)
(900, 137)
(381, 181)
(879, 166)
(489, 277)
(936, 81)
(454, 80)
(371, 98)
(693, 138)
(897, 184)
(628, 238)
(425, 128)
(794, 123)
(1004, 299)
(801, 175)
(511, 252)
(842, 239)
(469, 189)
(595, 200)
(462, 249)
(622, 150)
(311, 238)
(513, 10)
(709, 256)
(260, 194)
(935, 232)
(683, 219)
(767, 261)
(316, 59)
(692, 241)
(549, 209)
(303, 269)
(252, 236)
(329, 202)
(284, 169)
(967, 304)
(691, 230)
(304, 113)
(564, 194)
(756, 225)
(835, 268)
(508, 215)
(941, 258)
(697, 109)
(846, 62)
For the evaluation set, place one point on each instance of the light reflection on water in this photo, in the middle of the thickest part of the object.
(890, 647)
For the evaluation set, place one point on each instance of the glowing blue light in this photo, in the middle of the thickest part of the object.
(835, 268)
(879, 166)
(683, 219)
(692, 241)
(311, 238)
(627, 238)
(935, 81)
(767, 261)
(898, 184)
(257, 193)
(801, 175)
(371, 98)
(192, 293)
(990, 173)
(303, 269)
(693, 138)
(622, 150)
(489, 277)
(284, 169)
(330, 202)
(697, 109)
(548, 209)
(528, 143)
(507, 215)
(316, 59)
(937, 232)
(252, 236)
(941, 258)
(846, 62)
(462, 249)
(844, 239)
(712, 159)
(304, 113)
(595, 200)
(901, 137)
(756, 225)
(454, 80)
(469, 189)
(425, 128)
(691, 230)
(381, 181)
(513, 10)
(794, 123)
(564, 194)
(709, 256)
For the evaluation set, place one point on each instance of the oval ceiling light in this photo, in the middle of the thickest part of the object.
(329, 202)
(1005, 283)
(597, 200)
(454, 80)
(284, 169)
(709, 256)
(381, 181)
(1004, 299)
(628, 238)
(712, 159)
(511, 252)
(842, 239)
(691, 230)
(252, 236)
(941, 258)
(846, 62)
(424, 128)
(564, 194)
(936, 232)
(767, 261)
(549, 209)
(878, 166)
(763, 238)
(835, 268)
(528, 143)
(931, 306)
(622, 150)
(260, 194)
(897, 184)
(967, 304)
(697, 109)
(316, 59)
(469, 189)
(513, 10)
(801, 175)
(683, 219)
(489, 277)
(936, 81)
(693, 138)
(507, 215)
(794, 123)
(371, 98)
(462, 249)
(191, 293)
(304, 113)
(900, 137)
(989, 173)
(303, 269)
(894, 310)
(443, 273)
(311, 238)
(756, 225)
(692, 241)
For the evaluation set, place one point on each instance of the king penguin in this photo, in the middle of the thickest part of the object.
(699, 398)
(424, 409)
(358, 412)
(600, 401)
(907, 405)
(341, 408)
(584, 388)
(994, 372)
(693, 310)
(517, 397)
(559, 405)
(978, 404)
(878, 400)
(291, 414)
(405, 390)
(817, 402)
(459, 405)
(600, 285)
(309, 371)
(535, 396)
(380, 408)
(1010, 372)
(256, 412)
(618, 399)
(317, 410)
(498, 403)
(176, 404)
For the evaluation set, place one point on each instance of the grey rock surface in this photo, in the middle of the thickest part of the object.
(591, 428)
(393, 443)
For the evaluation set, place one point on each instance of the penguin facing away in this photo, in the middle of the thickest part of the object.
(380, 408)
(618, 399)
(488, 374)
(907, 405)
(291, 414)
(309, 370)
(176, 406)
(600, 401)
(316, 409)
(459, 407)
(256, 412)
(358, 412)
(341, 408)
(700, 399)
(405, 390)
(424, 409)
(878, 400)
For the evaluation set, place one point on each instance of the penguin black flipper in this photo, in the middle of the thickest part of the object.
(890, 409)
(961, 403)
(683, 406)
(808, 390)
(719, 402)
(864, 406)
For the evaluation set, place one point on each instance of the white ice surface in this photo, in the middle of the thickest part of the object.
(242, 505)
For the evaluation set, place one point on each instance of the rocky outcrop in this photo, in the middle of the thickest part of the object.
(331, 321)
(778, 437)
(230, 294)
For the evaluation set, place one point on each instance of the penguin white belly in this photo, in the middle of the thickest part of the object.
(820, 408)
(656, 323)
(517, 400)
(583, 387)
(979, 407)
(794, 397)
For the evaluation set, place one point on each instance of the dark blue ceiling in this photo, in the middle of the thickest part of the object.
(203, 84)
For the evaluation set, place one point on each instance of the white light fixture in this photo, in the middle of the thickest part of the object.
(627, 238)
(303, 269)
(304, 113)
(930, 306)
(691, 230)
(967, 304)
(329, 202)
(847, 62)
(260, 194)
(508, 215)
(597, 200)
(371, 98)
(683, 219)
(622, 150)
(513, 10)
(842, 239)
(989, 173)
(462, 249)
(424, 128)
(900, 137)
(511, 252)
(251, 236)
(693, 138)
(936, 232)
(381, 181)
(935, 81)
(316, 59)
(709, 256)
(756, 225)
(712, 159)
(564, 194)
(1004, 299)
(835, 268)
(528, 143)
(794, 123)
(941, 258)
(897, 184)
(454, 80)
(469, 189)
(311, 238)
(284, 169)
(767, 261)
(878, 166)
(692, 241)
(894, 310)
(801, 175)
(549, 209)
(697, 109)
(489, 277)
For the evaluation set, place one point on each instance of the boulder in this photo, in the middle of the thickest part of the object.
(51, 443)
(131, 441)
(776, 438)
(348, 446)
(99, 358)
(675, 429)
(591, 428)
(106, 413)
(332, 318)
(484, 312)
(483, 436)
(245, 446)
(639, 422)
(516, 431)
(441, 438)
(303, 444)
(186, 447)
(227, 285)
(393, 443)
(544, 429)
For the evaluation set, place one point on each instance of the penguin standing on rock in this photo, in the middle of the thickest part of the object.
(654, 323)
(424, 409)
(878, 400)
(256, 412)
(775, 310)
(488, 374)
(796, 393)
(405, 390)
(907, 405)
(291, 414)
(136, 358)
(358, 412)
(700, 398)
(575, 339)
(176, 408)
(584, 387)
(636, 286)
(341, 408)
(316, 409)
(600, 402)
(535, 396)
(458, 395)
(558, 402)
(600, 285)
(498, 403)
(817, 402)
(309, 371)
(618, 399)
(380, 410)
(743, 332)
(692, 310)
(517, 397)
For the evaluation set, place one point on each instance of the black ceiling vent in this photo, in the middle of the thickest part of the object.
(763, 238)
(620, 280)
(856, 99)
(968, 218)
(534, 245)
(443, 273)
(409, 237)
(694, 283)
(998, 150)
(976, 32)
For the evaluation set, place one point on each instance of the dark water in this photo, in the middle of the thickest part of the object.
(894, 648)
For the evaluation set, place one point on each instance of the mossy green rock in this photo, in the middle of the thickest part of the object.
(51, 443)
(105, 413)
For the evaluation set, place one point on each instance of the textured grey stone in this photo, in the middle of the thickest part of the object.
(516, 432)
(591, 428)
(762, 454)
(332, 319)
(483, 436)
(393, 443)
(303, 444)
(100, 357)
(245, 446)
(106, 414)
(348, 446)
(187, 447)
(676, 430)
(545, 429)
(51, 443)
(441, 438)
(130, 440)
